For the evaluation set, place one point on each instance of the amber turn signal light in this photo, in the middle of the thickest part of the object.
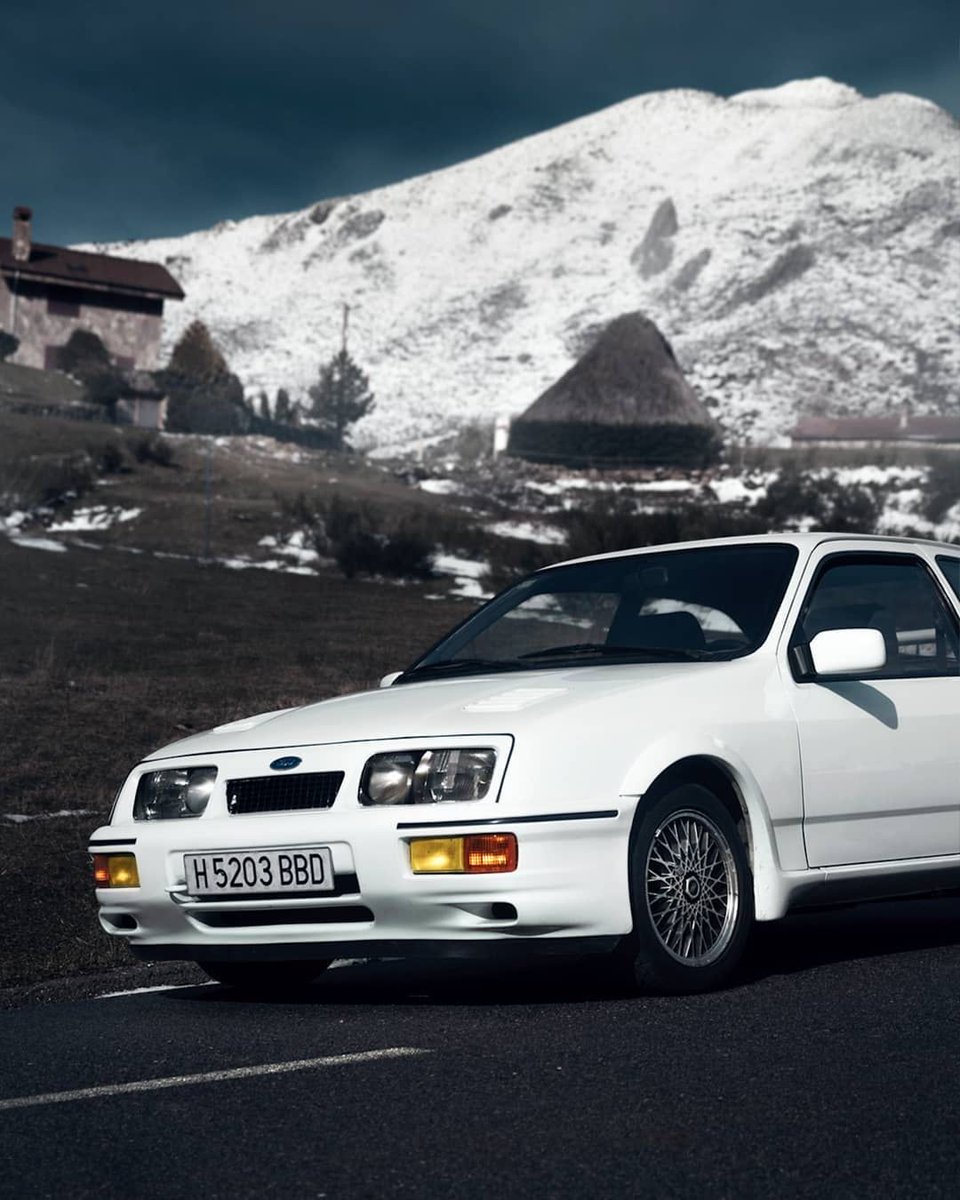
(115, 871)
(473, 854)
(489, 852)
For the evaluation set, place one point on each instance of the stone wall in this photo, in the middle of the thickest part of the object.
(131, 334)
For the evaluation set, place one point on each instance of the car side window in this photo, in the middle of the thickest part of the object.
(895, 594)
(951, 568)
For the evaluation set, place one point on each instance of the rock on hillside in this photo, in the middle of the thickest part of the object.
(800, 248)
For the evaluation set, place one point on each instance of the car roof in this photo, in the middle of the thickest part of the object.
(803, 541)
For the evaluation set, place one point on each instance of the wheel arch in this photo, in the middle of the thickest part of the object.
(735, 786)
(716, 777)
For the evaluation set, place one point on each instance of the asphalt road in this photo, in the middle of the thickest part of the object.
(831, 1069)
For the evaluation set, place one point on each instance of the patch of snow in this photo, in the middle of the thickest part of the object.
(294, 547)
(270, 564)
(439, 487)
(97, 518)
(528, 531)
(666, 485)
(874, 476)
(736, 489)
(466, 572)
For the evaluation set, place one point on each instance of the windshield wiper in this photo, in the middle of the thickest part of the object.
(450, 666)
(602, 650)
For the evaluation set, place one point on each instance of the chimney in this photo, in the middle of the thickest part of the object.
(21, 233)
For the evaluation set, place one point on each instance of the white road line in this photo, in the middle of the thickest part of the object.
(176, 987)
(155, 1085)
(159, 987)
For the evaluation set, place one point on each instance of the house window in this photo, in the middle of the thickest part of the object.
(59, 306)
(124, 362)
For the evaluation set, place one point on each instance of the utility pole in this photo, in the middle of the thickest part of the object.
(207, 496)
(346, 324)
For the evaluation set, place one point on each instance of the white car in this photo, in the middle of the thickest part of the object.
(638, 754)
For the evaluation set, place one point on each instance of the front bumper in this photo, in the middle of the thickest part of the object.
(570, 887)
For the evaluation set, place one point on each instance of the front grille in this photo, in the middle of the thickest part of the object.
(283, 793)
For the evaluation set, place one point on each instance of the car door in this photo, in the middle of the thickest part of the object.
(880, 754)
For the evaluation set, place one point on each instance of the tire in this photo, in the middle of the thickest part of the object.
(265, 978)
(691, 892)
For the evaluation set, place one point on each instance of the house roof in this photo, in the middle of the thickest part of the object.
(877, 429)
(628, 377)
(96, 272)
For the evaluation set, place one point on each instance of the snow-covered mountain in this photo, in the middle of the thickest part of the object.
(800, 247)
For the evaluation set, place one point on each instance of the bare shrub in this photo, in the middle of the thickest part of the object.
(608, 525)
(153, 449)
(943, 487)
(365, 539)
(512, 558)
(796, 499)
(109, 457)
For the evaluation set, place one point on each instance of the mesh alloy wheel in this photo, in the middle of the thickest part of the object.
(691, 894)
(691, 888)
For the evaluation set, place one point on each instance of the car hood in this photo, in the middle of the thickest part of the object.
(503, 703)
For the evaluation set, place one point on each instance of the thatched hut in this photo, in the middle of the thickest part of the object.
(624, 403)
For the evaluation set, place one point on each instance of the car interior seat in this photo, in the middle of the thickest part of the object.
(668, 631)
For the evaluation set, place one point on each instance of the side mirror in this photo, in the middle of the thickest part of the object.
(848, 651)
(392, 678)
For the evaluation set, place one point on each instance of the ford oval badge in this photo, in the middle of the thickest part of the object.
(285, 764)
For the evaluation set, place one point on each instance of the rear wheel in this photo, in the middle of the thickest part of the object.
(266, 978)
(691, 891)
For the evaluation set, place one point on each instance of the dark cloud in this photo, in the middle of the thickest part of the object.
(122, 119)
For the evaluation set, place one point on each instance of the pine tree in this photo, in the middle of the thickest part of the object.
(264, 407)
(87, 359)
(341, 396)
(195, 358)
(205, 397)
(283, 410)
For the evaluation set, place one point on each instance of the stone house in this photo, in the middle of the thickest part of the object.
(46, 292)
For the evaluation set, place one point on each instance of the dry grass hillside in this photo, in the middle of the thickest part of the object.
(104, 655)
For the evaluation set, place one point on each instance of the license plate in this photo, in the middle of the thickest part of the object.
(251, 871)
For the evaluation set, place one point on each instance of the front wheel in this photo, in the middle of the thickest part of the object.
(265, 978)
(691, 891)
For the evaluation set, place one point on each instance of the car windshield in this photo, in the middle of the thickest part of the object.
(695, 605)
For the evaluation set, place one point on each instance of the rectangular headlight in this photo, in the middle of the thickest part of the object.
(428, 776)
(180, 792)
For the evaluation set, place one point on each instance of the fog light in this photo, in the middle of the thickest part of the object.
(440, 856)
(115, 871)
(474, 854)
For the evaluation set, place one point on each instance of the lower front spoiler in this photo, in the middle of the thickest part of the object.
(400, 948)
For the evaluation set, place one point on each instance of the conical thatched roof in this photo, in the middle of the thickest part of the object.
(624, 401)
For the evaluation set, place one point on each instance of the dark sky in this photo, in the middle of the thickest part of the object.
(132, 118)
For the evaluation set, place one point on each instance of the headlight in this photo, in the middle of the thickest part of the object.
(427, 776)
(182, 792)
